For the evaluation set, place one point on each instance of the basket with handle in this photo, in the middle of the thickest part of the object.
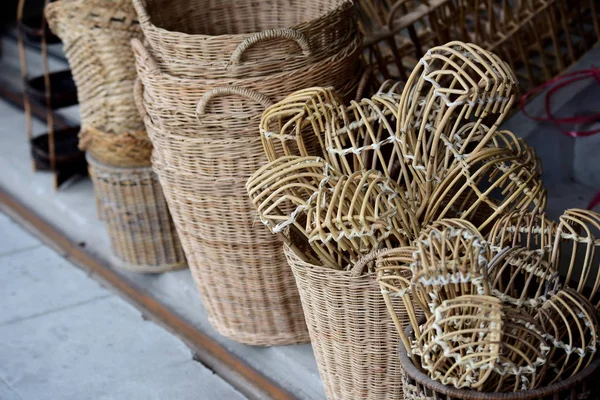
(96, 37)
(238, 266)
(174, 102)
(140, 228)
(237, 39)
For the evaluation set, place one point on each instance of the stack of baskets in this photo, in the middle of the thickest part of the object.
(96, 36)
(538, 38)
(207, 71)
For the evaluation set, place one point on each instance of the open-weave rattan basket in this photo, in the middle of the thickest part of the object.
(96, 36)
(141, 231)
(418, 386)
(243, 38)
(538, 38)
(351, 332)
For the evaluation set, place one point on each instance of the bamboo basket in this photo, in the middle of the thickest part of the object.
(351, 332)
(96, 37)
(539, 38)
(418, 386)
(234, 39)
(141, 231)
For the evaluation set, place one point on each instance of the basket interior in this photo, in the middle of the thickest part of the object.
(231, 17)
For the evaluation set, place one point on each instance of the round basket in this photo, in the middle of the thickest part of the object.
(174, 102)
(96, 37)
(140, 228)
(418, 386)
(233, 38)
(351, 332)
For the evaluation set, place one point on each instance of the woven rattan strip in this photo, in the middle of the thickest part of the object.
(140, 228)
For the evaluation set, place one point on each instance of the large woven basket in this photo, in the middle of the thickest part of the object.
(141, 231)
(351, 332)
(96, 36)
(538, 38)
(242, 38)
(241, 273)
(418, 386)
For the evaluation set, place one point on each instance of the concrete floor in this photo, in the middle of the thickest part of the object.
(63, 336)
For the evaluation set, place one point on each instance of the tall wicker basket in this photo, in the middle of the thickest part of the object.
(208, 70)
(141, 231)
(351, 332)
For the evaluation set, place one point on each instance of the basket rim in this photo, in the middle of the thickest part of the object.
(146, 22)
(414, 373)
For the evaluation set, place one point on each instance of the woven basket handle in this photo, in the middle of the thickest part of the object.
(140, 9)
(271, 34)
(144, 57)
(396, 7)
(138, 97)
(228, 91)
(359, 266)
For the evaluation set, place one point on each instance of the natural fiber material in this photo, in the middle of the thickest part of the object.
(418, 386)
(240, 39)
(96, 37)
(539, 38)
(208, 70)
(475, 342)
(571, 328)
(530, 230)
(575, 252)
(140, 228)
(429, 137)
(174, 102)
(130, 149)
(343, 218)
(203, 179)
(523, 278)
(352, 335)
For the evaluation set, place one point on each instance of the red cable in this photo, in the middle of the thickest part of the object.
(556, 85)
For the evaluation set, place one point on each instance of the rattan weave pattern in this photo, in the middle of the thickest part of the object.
(140, 228)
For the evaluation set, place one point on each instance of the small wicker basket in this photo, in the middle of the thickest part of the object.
(141, 231)
(97, 36)
(352, 334)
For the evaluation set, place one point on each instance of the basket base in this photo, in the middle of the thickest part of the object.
(120, 264)
(260, 340)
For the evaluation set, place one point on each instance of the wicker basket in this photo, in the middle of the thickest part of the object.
(140, 228)
(238, 266)
(233, 38)
(539, 38)
(418, 386)
(96, 36)
(173, 102)
(352, 334)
